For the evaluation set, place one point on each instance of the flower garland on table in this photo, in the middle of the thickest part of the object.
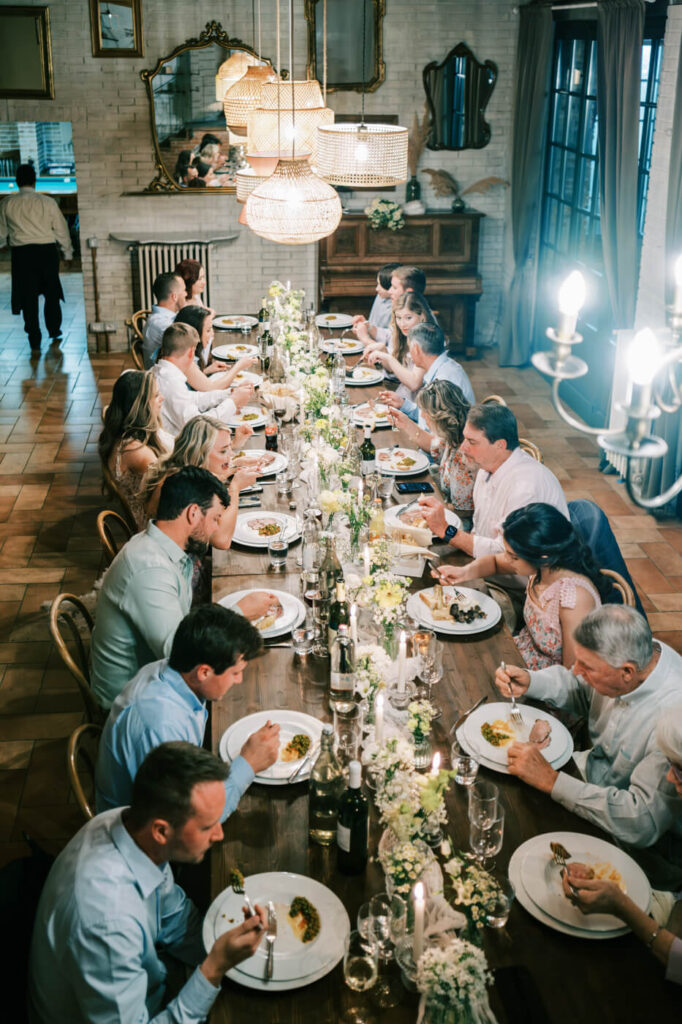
(373, 667)
(420, 714)
(403, 863)
(284, 303)
(385, 593)
(384, 213)
(473, 890)
(453, 980)
(411, 804)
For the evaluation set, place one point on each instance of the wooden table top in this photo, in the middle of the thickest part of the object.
(574, 979)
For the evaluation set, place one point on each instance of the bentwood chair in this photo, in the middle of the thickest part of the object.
(621, 586)
(530, 449)
(493, 399)
(113, 532)
(110, 485)
(81, 759)
(136, 326)
(71, 626)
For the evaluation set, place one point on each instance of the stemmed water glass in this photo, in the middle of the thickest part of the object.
(486, 837)
(430, 668)
(483, 803)
(385, 914)
(360, 971)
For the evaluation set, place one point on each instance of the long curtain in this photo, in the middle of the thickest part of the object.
(620, 26)
(531, 105)
(662, 473)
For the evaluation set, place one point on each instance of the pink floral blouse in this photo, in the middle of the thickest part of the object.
(540, 641)
(456, 475)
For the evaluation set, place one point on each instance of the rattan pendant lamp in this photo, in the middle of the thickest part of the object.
(362, 155)
(293, 206)
(244, 95)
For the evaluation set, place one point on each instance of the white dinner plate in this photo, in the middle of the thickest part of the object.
(394, 515)
(234, 321)
(293, 610)
(237, 350)
(560, 737)
(376, 416)
(290, 722)
(348, 346)
(331, 320)
(389, 461)
(250, 415)
(246, 377)
(542, 878)
(422, 613)
(295, 964)
(248, 457)
(364, 376)
(249, 536)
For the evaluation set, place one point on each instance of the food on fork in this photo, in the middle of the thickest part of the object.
(541, 733)
(304, 919)
(236, 880)
(297, 747)
(413, 517)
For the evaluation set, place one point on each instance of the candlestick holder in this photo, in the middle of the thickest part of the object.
(399, 699)
(404, 955)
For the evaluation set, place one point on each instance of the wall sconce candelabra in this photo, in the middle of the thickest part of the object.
(654, 386)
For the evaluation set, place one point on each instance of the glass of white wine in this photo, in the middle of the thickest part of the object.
(360, 970)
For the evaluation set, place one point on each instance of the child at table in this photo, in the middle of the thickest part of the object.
(403, 279)
(382, 307)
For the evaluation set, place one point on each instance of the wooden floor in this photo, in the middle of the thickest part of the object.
(50, 417)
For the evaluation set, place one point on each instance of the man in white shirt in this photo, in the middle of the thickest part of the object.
(179, 403)
(622, 682)
(170, 293)
(508, 478)
(33, 225)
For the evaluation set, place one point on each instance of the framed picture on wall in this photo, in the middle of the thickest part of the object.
(116, 28)
(26, 65)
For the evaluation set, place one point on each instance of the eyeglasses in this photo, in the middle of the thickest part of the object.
(677, 772)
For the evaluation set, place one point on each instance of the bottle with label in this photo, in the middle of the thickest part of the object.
(377, 527)
(342, 686)
(352, 825)
(263, 314)
(264, 346)
(326, 787)
(330, 570)
(339, 613)
(271, 432)
(276, 373)
(368, 452)
(310, 542)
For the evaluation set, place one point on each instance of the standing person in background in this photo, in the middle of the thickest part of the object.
(170, 294)
(403, 279)
(33, 226)
(382, 307)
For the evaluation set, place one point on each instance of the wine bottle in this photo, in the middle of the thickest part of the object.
(276, 374)
(342, 685)
(368, 452)
(339, 613)
(330, 570)
(377, 527)
(264, 347)
(326, 787)
(352, 825)
(263, 315)
(310, 541)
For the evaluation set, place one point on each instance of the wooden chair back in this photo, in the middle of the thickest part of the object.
(136, 327)
(493, 399)
(115, 491)
(621, 585)
(530, 449)
(113, 532)
(81, 760)
(71, 619)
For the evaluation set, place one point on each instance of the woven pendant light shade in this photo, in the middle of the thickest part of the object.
(244, 96)
(287, 131)
(362, 155)
(305, 94)
(249, 178)
(294, 206)
(231, 70)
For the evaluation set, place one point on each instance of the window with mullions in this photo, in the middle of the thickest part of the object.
(652, 58)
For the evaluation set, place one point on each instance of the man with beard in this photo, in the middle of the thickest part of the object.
(148, 588)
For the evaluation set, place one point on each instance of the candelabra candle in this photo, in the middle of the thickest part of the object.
(435, 764)
(354, 623)
(571, 299)
(402, 653)
(379, 718)
(365, 559)
(418, 936)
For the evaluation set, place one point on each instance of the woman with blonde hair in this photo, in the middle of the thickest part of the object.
(133, 439)
(409, 309)
(207, 443)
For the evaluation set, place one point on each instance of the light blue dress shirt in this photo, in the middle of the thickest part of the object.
(105, 910)
(444, 368)
(158, 321)
(146, 592)
(380, 313)
(155, 707)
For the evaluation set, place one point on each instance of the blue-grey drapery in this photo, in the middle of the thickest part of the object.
(662, 473)
(620, 26)
(531, 105)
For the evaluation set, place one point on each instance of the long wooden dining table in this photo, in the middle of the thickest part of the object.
(541, 974)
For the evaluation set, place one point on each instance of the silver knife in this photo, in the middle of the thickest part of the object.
(306, 760)
(270, 937)
(462, 719)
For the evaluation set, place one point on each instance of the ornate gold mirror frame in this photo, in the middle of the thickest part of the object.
(213, 33)
(349, 14)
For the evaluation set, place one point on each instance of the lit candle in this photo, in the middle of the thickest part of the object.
(360, 492)
(402, 652)
(365, 559)
(571, 299)
(418, 937)
(435, 764)
(677, 300)
(379, 719)
(643, 359)
(288, 286)
(354, 623)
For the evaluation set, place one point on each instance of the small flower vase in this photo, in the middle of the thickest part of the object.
(436, 1013)
(413, 189)
(473, 932)
(389, 641)
(422, 753)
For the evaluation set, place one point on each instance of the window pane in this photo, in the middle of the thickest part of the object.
(560, 114)
(574, 109)
(592, 78)
(563, 65)
(590, 134)
(568, 185)
(556, 156)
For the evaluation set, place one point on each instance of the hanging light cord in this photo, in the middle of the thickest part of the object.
(279, 80)
(324, 51)
(259, 35)
(364, 38)
(253, 21)
(291, 72)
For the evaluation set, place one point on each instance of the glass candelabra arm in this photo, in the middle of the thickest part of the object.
(673, 361)
(633, 479)
(577, 424)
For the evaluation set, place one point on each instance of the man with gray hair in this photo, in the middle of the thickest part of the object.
(622, 681)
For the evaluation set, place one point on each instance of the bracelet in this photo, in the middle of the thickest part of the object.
(652, 938)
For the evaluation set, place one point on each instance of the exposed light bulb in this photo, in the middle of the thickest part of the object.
(643, 357)
(572, 294)
(361, 153)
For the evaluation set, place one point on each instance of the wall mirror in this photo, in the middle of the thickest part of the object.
(183, 91)
(116, 28)
(457, 93)
(26, 66)
(344, 43)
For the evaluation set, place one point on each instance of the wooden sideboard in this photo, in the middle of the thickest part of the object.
(443, 244)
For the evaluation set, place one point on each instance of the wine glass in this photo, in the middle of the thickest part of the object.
(483, 803)
(431, 670)
(360, 971)
(486, 839)
(382, 912)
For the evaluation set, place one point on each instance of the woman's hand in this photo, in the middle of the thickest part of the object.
(590, 895)
(241, 433)
(245, 363)
(401, 420)
(359, 319)
(390, 399)
(244, 478)
(449, 575)
(379, 355)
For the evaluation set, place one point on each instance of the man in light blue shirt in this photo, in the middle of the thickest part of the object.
(170, 293)
(148, 587)
(167, 701)
(622, 682)
(110, 904)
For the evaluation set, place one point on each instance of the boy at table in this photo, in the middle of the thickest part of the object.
(167, 700)
(403, 279)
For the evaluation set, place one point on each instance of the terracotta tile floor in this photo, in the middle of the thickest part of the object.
(50, 417)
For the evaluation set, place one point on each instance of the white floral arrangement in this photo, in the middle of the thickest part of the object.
(420, 714)
(373, 668)
(411, 804)
(395, 754)
(315, 388)
(455, 977)
(474, 890)
(384, 213)
(404, 863)
(284, 303)
(385, 592)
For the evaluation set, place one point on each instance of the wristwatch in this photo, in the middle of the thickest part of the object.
(450, 532)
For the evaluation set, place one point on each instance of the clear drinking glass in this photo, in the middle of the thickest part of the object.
(498, 913)
(386, 487)
(360, 962)
(430, 668)
(381, 913)
(347, 732)
(483, 803)
(278, 551)
(465, 766)
(282, 483)
(303, 637)
(362, 921)
(486, 839)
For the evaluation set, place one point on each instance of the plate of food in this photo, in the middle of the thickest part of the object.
(373, 413)
(266, 463)
(401, 461)
(454, 610)
(349, 346)
(299, 735)
(285, 614)
(234, 321)
(490, 731)
(250, 415)
(592, 858)
(246, 377)
(255, 529)
(312, 927)
(331, 320)
(364, 376)
(411, 515)
(238, 350)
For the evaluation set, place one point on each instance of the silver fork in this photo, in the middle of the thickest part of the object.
(515, 714)
(559, 856)
(270, 937)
